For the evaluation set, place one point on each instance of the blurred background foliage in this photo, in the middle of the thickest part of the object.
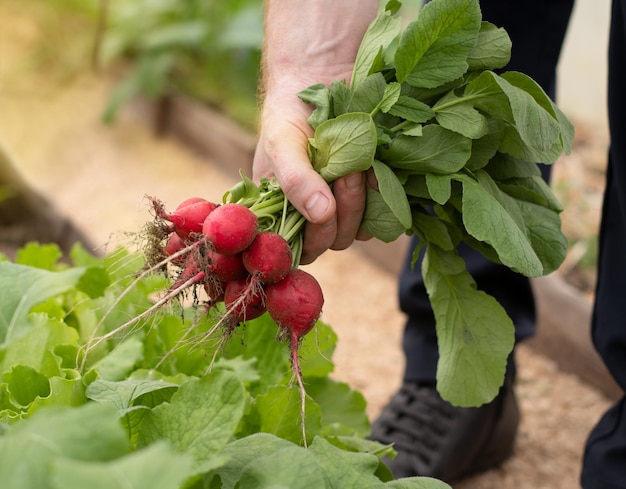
(206, 49)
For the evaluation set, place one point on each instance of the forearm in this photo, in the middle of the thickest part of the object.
(311, 41)
(308, 42)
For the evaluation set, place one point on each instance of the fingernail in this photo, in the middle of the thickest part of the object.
(317, 206)
(354, 182)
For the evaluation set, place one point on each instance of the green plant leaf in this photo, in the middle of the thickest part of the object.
(392, 193)
(317, 94)
(279, 412)
(165, 339)
(94, 281)
(417, 483)
(343, 145)
(346, 469)
(245, 368)
(503, 167)
(488, 217)
(23, 287)
(379, 220)
(390, 97)
(458, 116)
(485, 148)
(63, 392)
(536, 135)
(437, 151)
(36, 348)
(380, 34)
(415, 186)
(492, 49)
(316, 351)
(433, 49)
(342, 408)
(292, 467)
(532, 133)
(155, 466)
(439, 187)
(201, 417)
(258, 341)
(29, 448)
(240, 453)
(124, 394)
(433, 230)
(370, 94)
(121, 264)
(245, 188)
(474, 333)
(487, 95)
(37, 255)
(340, 98)
(24, 384)
(530, 86)
(413, 130)
(120, 361)
(532, 189)
(411, 109)
(546, 237)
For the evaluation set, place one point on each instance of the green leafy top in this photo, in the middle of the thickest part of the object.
(449, 137)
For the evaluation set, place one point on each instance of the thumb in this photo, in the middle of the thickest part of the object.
(282, 152)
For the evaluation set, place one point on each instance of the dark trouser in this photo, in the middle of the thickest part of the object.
(537, 29)
(604, 464)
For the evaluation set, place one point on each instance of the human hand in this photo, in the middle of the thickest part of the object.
(334, 215)
(305, 43)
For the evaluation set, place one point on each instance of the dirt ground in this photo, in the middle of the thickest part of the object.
(99, 175)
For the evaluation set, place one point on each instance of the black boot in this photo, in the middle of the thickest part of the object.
(436, 439)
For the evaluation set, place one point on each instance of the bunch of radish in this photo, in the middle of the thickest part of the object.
(244, 252)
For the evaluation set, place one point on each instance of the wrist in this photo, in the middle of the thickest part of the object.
(312, 41)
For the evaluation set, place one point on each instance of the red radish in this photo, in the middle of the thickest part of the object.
(226, 268)
(269, 257)
(189, 201)
(243, 302)
(173, 245)
(188, 216)
(295, 303)
(191, 275)
(188, 220)
(230, 228)
(214, 290)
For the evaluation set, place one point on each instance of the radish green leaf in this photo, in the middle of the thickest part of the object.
(343, 145)
(474, 333)
(433, 49)
(392, 193)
